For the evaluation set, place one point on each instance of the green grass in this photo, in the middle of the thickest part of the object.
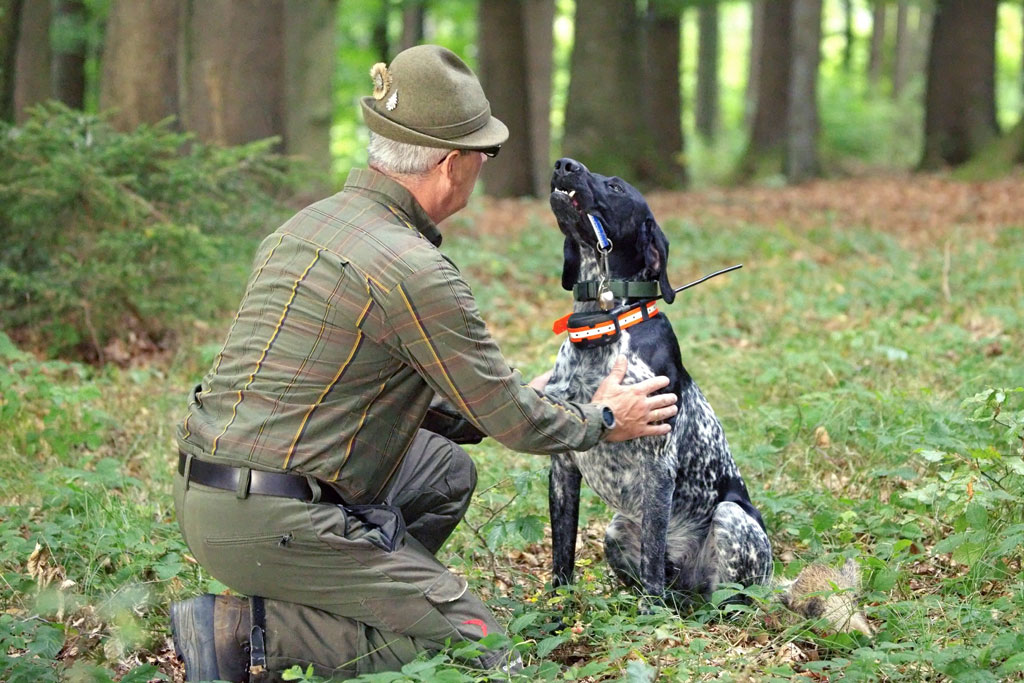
(875, 339)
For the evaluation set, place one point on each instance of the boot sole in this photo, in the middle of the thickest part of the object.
(193, 634)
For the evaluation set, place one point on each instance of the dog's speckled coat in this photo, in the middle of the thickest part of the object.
(683, 520)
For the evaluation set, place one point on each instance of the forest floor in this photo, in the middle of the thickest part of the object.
(912, 207)
(838, 360)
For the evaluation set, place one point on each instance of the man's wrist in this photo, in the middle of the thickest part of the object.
(607, 421)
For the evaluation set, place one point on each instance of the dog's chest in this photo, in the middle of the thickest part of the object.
(615, 471)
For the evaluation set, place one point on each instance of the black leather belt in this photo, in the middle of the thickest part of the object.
(261, 483)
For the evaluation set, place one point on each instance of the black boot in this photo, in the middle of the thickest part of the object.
(211, 636)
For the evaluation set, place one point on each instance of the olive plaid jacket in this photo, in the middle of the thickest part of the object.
(351, 320)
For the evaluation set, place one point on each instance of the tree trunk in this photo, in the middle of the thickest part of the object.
(904, 50)
(539, 20)
(10, 24)
(605, 120)
(876, 58)
(309, 61)
(69, 53)
(413, 15)
(960, 112)
(516, 46)
(802, 143)
(379, 39)
(771, 110)
(32, 73)
(503, 72)
(923, 38)
(140, 62)
(706, 106)
(232, 76)
(663, 94)
(848, 36)
(754, 61)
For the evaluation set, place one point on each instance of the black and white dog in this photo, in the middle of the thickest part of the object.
(683, 520)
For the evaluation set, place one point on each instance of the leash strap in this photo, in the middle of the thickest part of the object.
(603, 243)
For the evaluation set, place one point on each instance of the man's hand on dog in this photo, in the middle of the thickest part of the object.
(637, 412)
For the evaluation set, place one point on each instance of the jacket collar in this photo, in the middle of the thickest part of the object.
(399, 200)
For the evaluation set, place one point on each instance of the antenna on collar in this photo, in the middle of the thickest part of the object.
(704, 279)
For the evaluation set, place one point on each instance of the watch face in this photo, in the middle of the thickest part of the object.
(608, 417)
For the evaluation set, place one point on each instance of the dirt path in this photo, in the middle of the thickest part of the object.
(916, 207)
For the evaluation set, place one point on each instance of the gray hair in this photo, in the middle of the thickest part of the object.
(401, 158)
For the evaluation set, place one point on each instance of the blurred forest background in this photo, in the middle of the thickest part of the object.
(669, 94)
(860, 157)
(664, 90)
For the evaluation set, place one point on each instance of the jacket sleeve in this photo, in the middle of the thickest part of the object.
(436, 328)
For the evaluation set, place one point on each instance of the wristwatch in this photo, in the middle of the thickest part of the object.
(607, 420)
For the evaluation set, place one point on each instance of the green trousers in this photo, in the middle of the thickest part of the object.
(355, 589)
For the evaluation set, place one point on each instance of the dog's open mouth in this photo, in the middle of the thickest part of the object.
(571, 195)
(562, 199)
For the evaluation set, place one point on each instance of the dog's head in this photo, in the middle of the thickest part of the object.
(639, 248)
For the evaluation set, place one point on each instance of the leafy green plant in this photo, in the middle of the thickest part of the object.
(47, 408)
(979, 491)
(839, 371)
(116, 236)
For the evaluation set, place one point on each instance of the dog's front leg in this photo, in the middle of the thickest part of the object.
(564, 508)
(658, 489)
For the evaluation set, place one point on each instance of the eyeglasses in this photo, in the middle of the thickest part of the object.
(489, 152)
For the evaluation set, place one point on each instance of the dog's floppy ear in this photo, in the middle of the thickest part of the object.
(653, 244)
(571, 266)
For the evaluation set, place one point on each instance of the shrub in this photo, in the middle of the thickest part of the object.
(116, 237)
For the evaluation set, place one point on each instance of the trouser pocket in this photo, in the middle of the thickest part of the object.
(381, 525)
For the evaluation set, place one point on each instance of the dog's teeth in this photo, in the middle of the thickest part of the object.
(572, 193)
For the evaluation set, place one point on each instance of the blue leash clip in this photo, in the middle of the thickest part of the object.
(603, 243)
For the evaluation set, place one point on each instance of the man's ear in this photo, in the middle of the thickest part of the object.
(571, 264)
(447, 165)
(654, 246)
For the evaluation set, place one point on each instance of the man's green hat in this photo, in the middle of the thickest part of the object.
(429, 97)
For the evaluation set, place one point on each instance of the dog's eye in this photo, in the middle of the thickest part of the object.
(615, 187)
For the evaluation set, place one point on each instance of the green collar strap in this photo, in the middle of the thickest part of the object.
(622, 289)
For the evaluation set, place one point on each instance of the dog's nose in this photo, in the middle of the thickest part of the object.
(567, 165)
